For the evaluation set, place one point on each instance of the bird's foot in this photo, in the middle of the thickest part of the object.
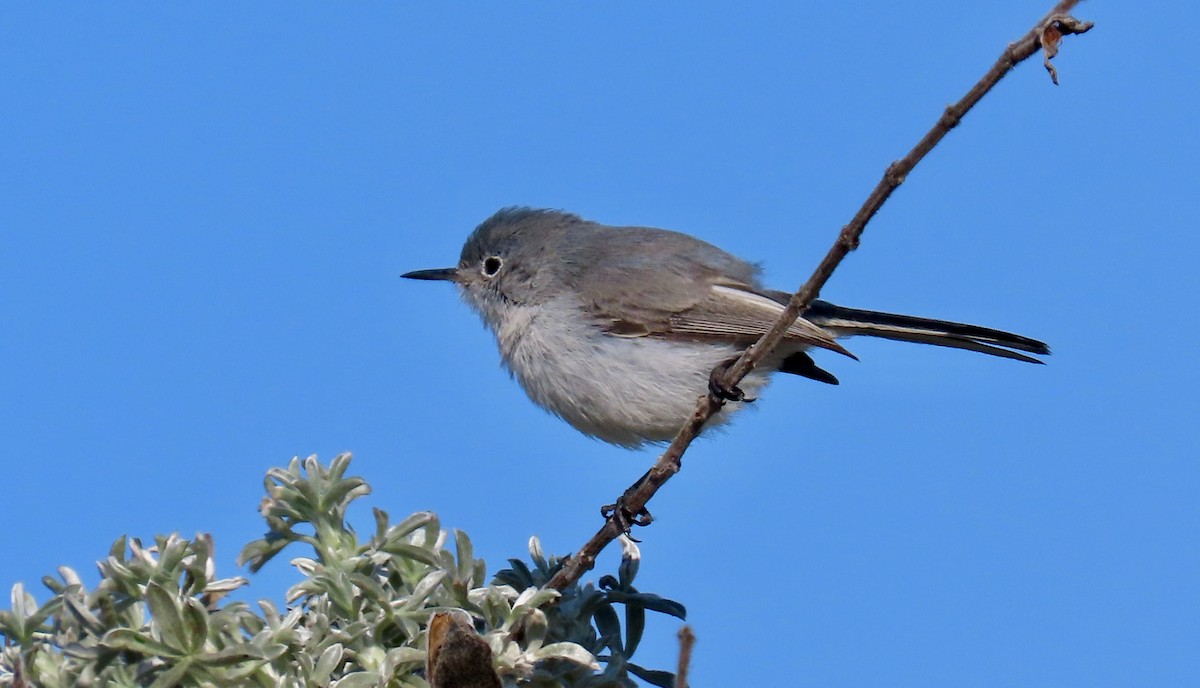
(721, 391)
(625, 518)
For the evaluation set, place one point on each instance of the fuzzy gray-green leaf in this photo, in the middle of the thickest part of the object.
(570, 652)
(662, 679)
(135, 641)
(195, 623)
(174, 676)
(329, 660)
(165, 612)
(359, 679)
(649, 601)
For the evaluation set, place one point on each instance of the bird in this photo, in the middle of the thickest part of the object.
(617, 330)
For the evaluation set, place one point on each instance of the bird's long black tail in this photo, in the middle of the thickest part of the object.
(845, 322)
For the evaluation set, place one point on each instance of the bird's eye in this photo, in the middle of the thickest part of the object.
(491, 265)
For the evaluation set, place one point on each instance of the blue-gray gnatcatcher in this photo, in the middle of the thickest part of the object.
(617, 329)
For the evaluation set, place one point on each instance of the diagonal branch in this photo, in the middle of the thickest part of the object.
(1046, 34)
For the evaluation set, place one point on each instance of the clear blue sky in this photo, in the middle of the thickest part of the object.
(204, 210)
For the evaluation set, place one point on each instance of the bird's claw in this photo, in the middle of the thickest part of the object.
(723, 392)
(625, 519)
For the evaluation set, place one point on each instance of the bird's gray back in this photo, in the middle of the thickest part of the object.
(645, 275)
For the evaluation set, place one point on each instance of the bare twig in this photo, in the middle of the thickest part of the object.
(1050, 28)
(687, 639)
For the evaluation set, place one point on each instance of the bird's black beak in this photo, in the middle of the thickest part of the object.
(443, 274)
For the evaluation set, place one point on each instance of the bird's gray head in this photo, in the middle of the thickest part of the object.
(507, 259)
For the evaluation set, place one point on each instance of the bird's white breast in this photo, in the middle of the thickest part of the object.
(623, 390)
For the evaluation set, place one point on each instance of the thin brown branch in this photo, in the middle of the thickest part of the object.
(1052, 26)
(687, 639)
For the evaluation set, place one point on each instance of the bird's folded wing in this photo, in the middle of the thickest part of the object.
(730, 312)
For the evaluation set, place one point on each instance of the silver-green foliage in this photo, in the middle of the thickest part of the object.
(160, 617)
